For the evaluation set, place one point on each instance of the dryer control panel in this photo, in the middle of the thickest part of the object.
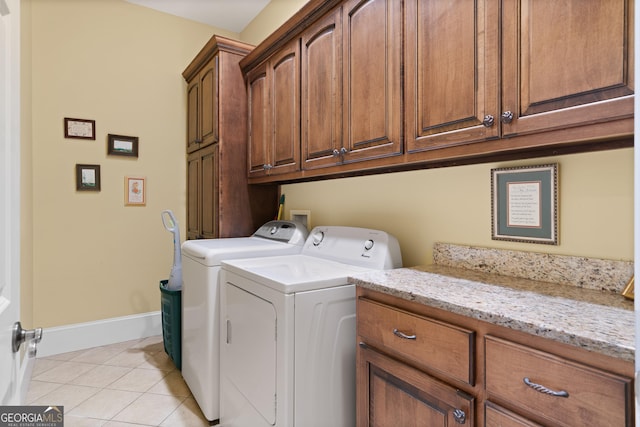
(291, 232)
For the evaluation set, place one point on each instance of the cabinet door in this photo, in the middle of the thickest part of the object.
(209, 103)
(193, 196)
(451, 72)
(202, 193)
(566, 63)
(372, 40)
(390, 393)
(321, 112)
(284, 147)
(202, 108)
(210, 192)
(258, 106)
(193, 115)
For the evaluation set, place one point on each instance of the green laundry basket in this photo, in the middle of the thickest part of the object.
(171, 308)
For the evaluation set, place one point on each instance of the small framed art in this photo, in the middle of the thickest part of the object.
(79, 128)
(120, 145)
(87, 177)
(524, 204)
(135, 189)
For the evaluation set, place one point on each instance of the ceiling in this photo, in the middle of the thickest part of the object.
(230, 15)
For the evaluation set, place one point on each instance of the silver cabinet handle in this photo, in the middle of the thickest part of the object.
(506, 117)
(459, 415)
(488, 121)
(403, 336)
(542, 389)
(228, 331)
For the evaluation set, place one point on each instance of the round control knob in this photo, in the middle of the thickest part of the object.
(317, 238)
(368, 245)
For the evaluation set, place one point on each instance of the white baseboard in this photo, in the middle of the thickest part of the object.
(80, 336)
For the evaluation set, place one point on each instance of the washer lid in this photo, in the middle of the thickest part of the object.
(210, 252)
(293, 273)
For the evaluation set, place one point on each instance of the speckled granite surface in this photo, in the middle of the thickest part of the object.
(598, 321)
(589, 273)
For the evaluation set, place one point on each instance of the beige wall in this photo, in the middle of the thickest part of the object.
(270, 18)
(454, 205)
(120, 65)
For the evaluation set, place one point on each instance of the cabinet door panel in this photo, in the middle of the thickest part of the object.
(285, 74)
(561, 58)
(209, 111)
(259, 137)
(394, 394)
(193, 196)
(321, 118)
(372, 37)
(210, 192)
(193, 115)
(451, 76)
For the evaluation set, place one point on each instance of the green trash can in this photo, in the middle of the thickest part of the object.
(171, 309)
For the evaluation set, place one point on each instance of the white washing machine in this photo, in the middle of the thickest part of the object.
(288, 330)
(201, 301)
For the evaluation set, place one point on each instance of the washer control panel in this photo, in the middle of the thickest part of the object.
(352, 245)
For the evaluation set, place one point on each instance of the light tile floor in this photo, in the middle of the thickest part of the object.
(127, 384)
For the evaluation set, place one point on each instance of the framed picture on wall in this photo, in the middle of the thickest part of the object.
(524, 204)
(120, 145)
(87, 177)
(79, 128)
(135, 191)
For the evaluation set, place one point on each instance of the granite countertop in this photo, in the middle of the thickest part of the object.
(597, 321)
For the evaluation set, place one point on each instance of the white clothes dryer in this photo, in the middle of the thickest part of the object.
(288, 349)
(201, 301)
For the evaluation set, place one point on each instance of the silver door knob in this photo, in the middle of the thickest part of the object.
(20, 335)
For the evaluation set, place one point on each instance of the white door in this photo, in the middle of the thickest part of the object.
(9, 198)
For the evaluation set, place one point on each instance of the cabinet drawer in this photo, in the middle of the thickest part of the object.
(430, 343)
(559, 391)
(495, 416)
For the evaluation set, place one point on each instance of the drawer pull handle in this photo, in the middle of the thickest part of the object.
(403, 336)
(543, 389)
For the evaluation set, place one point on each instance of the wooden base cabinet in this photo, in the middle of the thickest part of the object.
(418, 365)
(391, 394)
(220, 202)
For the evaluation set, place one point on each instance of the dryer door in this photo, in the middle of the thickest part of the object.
(251, 349)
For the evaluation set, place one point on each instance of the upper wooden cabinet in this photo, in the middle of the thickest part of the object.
(274, 114)
(451, 73)
(351, 66)
(564, 69)
(565, 64)
(220, 202)
(202, 107)
(321, 92)
(388, 85)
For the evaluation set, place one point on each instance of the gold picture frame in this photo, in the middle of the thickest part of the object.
(627, 292)
(135, 191)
